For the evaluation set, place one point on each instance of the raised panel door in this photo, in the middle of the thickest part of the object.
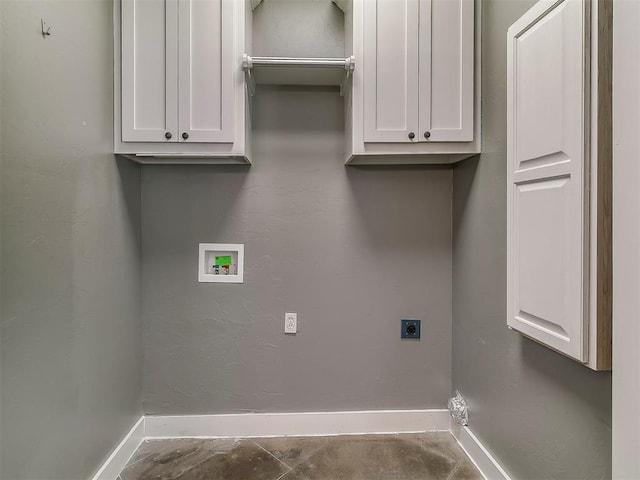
(547, 161)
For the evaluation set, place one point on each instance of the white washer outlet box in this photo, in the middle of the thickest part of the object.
(221, 263)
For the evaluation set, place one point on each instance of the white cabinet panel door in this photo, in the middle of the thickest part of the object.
(390, 70)
(206, 70)
(149, 70)
(546, 157)
(446, 70)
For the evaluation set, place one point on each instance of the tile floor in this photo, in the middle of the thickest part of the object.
(433, 456)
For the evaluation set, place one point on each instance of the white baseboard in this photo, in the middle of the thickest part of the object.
(113, 465)
(476, 451)
(296, 424)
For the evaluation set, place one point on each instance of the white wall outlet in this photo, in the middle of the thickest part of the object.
(290, 323)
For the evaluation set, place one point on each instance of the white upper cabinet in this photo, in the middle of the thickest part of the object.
(180, 90)
(149, 70)
(415, 95)
(554, 132)
(548, 86)
(390, 70)
(205, 85)
(446, 70)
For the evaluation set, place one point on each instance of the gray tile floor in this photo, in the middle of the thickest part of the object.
(432, 456)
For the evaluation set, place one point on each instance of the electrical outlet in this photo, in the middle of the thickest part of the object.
(410, 329)
(290, 323)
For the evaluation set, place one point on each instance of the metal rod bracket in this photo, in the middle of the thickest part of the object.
(347, 65)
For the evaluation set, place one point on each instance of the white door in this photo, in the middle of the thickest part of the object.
(446, 52)
(206, 71)
(390, 71)
(149, 70)
(547, 90)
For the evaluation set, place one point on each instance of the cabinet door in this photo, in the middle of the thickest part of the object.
(547, 158)
(390, 76)
(446, 57)
(149, 70)
(206, 70)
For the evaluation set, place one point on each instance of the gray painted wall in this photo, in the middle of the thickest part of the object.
(298, 28)
(352, 251)
(542, 415)
(71, 333)
(626, 237)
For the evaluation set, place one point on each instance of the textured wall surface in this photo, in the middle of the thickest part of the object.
(541, 414)
(71, 332)
(626, 238)
(352, 251)
(298, 28)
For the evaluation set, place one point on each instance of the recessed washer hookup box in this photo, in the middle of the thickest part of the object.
(221, 262)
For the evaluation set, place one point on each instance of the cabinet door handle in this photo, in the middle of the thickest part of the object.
(412, 135)
(427, 135)
(168, 135)
(185, 135)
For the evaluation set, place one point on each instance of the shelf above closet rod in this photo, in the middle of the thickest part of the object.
(298, 71)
